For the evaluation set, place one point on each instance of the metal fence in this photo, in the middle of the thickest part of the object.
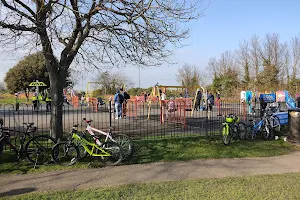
(143, 120)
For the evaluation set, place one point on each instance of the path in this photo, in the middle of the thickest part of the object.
(11, 184)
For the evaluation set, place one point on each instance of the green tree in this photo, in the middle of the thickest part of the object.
(29, 69)
(268, 78)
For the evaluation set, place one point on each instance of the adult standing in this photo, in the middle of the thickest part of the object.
(17, 102)
(126, 97)
(48, 101)
(210, 100)
(163, 96)
(34, 101)
(263, 105)
(198, 100)
(118, 99)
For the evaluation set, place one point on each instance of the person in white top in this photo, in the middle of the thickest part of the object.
(163, 96)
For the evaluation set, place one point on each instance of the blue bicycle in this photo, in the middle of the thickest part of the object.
(265, 127)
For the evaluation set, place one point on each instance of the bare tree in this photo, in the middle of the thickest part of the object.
(189, 76)
(109, 32)
(213, 67)
(243, 57)
(111, 81)
(295, 57)
(255, 52)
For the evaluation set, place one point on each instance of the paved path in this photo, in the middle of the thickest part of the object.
(11, 184)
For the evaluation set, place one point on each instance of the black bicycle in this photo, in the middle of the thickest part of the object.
(38, 148)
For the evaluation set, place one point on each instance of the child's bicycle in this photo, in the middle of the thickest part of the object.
(67, 153)
(123, 140)
(265, 127)
(232, 128)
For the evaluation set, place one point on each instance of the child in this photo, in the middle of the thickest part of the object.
(171, 108)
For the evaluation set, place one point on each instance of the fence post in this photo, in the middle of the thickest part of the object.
(110, 112)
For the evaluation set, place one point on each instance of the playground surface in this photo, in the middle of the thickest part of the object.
(13, 184)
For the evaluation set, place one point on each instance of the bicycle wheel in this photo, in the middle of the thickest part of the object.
(275, 123)
(82, 152)
(65, 153)
(250, 132)
(225, 134)
(125, 143)
(115, 153)
(241, 129)
(38, 149)
(267, 132)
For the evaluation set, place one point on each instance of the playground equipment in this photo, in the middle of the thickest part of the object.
(37, 84)
(204, 97)
(155, 96)
(88, 94)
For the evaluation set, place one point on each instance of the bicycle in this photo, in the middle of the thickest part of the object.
(232, 128)
(121, 139)
(38, 148)
(266, 126)
(67, 153)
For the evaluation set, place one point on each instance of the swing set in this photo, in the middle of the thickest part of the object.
(181, 104)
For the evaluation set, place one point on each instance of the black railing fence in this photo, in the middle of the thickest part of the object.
(140, 120)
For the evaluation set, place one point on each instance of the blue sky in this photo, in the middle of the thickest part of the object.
(225, 23)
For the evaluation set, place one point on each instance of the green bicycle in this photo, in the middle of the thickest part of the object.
(232, 128)
(67, 152)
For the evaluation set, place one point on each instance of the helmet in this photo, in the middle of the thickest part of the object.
(229, 119)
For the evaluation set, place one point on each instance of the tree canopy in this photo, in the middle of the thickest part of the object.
(29, 69)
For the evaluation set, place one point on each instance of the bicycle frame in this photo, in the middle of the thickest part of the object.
(258, 126)
(90, 129)
(94, 146)
(19, 150)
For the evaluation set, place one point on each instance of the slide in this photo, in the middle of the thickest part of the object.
(290, 102)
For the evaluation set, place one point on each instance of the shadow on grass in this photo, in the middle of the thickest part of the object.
(17, 192)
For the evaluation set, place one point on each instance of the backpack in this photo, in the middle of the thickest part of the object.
(120, 98)
(126, 95)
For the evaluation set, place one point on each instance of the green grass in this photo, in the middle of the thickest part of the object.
(11, 100)
(171, 149)
(181, 149)
(284, 186)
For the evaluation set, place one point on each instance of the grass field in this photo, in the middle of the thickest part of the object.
(284, 186)
(165, 150)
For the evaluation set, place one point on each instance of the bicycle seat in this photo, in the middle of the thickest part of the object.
(28, 124)
(88, 121)
(251, 120)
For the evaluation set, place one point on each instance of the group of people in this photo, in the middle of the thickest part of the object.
(120, 100)
(36, 98)
(210, 100)
(44, 96)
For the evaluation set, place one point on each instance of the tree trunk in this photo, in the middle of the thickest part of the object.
(57, 82)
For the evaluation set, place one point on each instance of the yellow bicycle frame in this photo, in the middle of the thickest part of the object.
(225, 131)
(86, 145)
